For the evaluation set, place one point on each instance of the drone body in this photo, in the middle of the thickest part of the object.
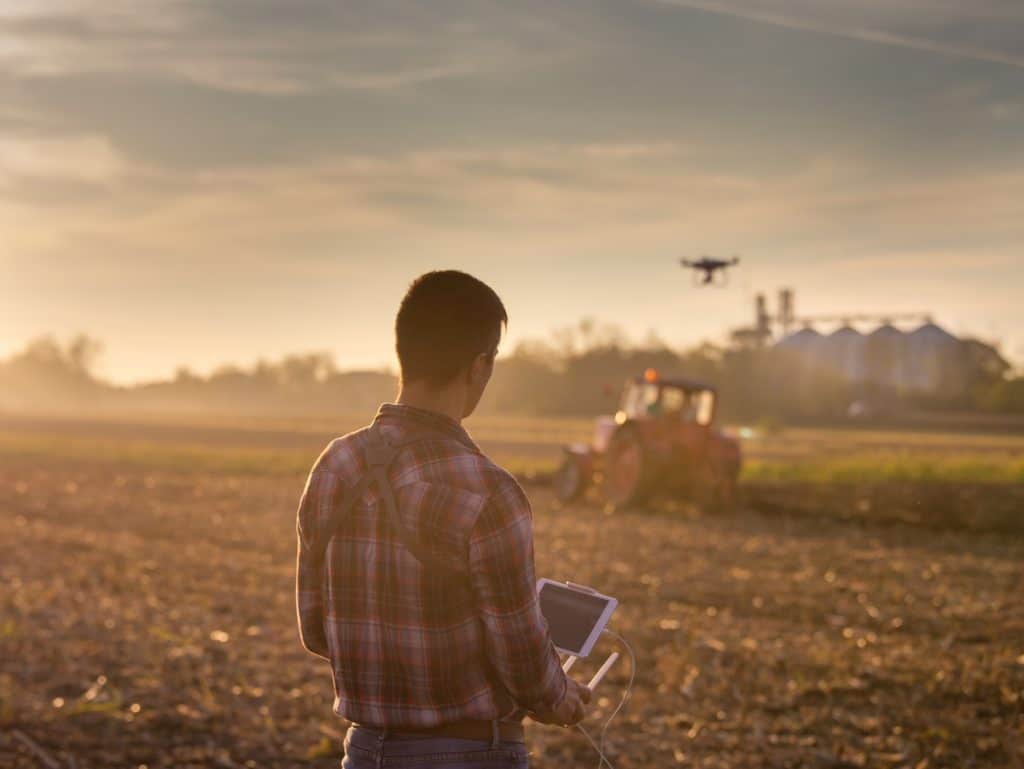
(706, 268)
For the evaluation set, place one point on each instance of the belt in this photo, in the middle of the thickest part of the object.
(463, 730)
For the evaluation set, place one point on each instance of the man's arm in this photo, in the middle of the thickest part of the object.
(501, 565)
(309, 569)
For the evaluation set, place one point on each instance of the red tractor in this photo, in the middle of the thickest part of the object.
(660, 441)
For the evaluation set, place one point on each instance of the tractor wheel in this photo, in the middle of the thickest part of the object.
(570, 481)
(627, 477)
(731, 487)
(718, 490)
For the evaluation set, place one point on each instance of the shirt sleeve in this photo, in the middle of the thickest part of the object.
(309, 570)
(502, 572)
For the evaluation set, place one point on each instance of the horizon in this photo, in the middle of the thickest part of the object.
(626, 341)
(203, 186)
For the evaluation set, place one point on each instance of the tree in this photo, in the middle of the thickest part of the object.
(82, 353)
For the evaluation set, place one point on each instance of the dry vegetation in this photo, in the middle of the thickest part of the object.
(146, 617)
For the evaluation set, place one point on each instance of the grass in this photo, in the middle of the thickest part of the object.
(921, 463)
(154, 455)
(529, 447)
(889, 467)
(193, 457)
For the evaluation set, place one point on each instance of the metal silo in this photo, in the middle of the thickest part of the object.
(885, 357)
(806, 341)
(931, 356)
(844, 351)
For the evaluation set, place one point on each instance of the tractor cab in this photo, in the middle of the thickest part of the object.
(673, 410)
(673, 400)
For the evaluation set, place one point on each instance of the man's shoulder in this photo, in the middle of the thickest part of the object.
(342, 457)
(506, 498)
(448, 461)
(494, 478)
(434, 458)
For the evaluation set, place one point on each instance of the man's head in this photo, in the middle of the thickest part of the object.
(447, 333)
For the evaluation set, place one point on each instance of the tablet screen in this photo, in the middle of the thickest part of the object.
(571, 615)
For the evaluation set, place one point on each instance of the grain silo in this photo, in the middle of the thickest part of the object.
(885, 357)
(806, 341)
(931, 357)
(928, 360)
(843, 351)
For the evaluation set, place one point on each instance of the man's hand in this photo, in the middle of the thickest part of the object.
(570, 710)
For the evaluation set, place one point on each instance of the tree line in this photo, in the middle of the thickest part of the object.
(578, 371)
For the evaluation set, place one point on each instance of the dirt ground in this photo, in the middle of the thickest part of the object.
(147, 619)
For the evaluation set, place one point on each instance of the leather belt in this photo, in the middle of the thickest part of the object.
(463, 730)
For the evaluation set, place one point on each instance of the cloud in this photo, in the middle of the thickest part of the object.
(840, 20)
(78, 159)
(481, 163)
(256, 81)
(268, 48)
(545, 199)
(925, 261)
(1006, 110)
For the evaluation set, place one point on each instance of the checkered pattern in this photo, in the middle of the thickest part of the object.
(410, 646)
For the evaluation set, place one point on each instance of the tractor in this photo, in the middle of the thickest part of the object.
(661, 441)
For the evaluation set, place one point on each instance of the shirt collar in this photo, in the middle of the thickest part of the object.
(431, 420)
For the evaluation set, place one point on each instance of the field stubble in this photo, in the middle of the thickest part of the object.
(147, 617)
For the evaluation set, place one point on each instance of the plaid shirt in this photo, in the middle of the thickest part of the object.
(409, 645)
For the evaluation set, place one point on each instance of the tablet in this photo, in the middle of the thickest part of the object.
(576, 615)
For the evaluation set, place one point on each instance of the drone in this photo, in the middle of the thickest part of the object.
(707, 267)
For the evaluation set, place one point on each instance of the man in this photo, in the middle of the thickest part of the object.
(415, 570)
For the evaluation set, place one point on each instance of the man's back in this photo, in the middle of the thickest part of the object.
(429, 661)
(411, 644)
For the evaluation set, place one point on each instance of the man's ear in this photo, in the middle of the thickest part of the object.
(475, 369)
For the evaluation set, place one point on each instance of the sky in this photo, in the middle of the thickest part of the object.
(218, 181)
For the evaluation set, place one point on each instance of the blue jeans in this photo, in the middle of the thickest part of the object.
(370, 749)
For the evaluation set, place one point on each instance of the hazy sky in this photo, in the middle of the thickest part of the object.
(214, 181)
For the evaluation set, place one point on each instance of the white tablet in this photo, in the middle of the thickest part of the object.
(576, 615)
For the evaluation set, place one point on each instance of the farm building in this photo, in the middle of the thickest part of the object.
(927, 360)
(869, 349)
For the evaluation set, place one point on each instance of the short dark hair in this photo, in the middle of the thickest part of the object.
(447, 318)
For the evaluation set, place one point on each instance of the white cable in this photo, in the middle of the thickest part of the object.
(603, 759)
(629, 686)
(599, 746)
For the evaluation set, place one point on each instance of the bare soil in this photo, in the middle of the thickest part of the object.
(147, 618)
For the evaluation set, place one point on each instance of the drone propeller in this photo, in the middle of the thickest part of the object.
(709, 270)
